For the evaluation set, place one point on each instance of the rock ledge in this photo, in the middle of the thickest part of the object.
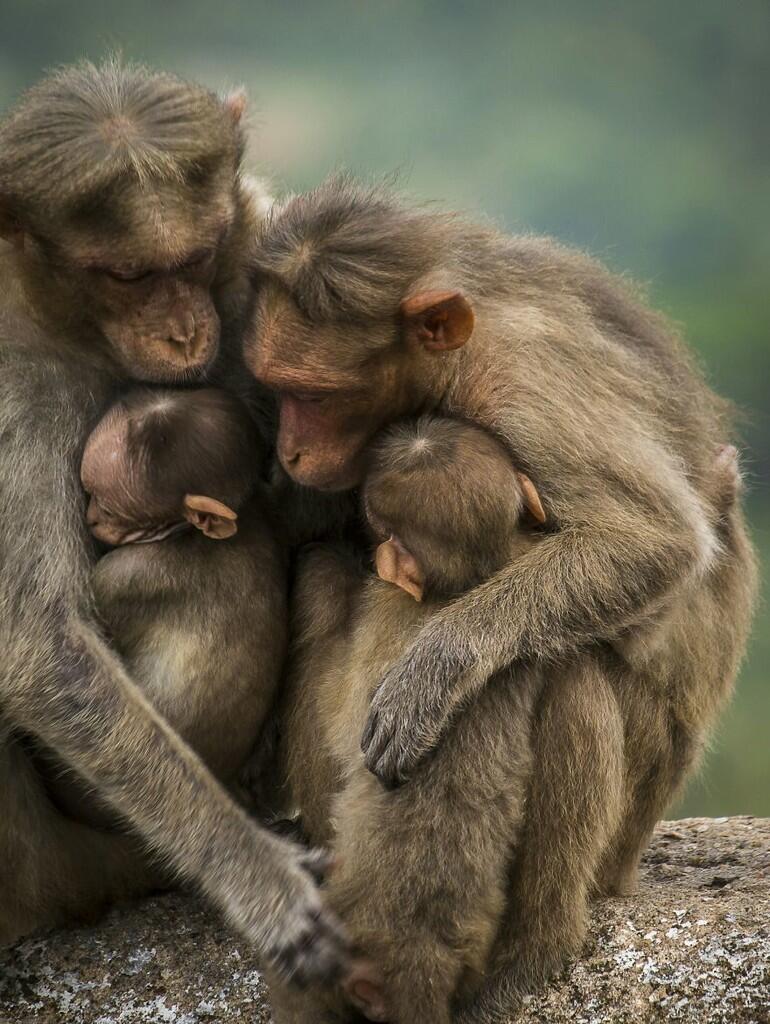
(692, 946)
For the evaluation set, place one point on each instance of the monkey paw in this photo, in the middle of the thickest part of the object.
(309, 946)
(407, 715)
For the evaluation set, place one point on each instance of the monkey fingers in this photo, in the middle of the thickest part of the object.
(409, 711)
(318, 863)
(312, 949)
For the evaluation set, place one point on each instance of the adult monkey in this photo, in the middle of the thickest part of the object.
(370, 310)
(126, 218)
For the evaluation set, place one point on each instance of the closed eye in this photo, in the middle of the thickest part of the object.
(309, 397)
(127, 276)
(198, 259)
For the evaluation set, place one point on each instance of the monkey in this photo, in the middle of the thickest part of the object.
(446, 509)
(200, 626)
(371, 309)
(125, 232)
(446, 490)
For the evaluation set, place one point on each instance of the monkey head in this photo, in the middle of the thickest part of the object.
(118, 189)
(159, 460)
(352, 328)
(446, 506)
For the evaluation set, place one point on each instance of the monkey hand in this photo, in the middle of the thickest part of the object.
(410, 709)
(302, 940)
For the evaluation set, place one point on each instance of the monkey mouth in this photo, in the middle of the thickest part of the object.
(166, 371)
(335, 477)
(329, 483)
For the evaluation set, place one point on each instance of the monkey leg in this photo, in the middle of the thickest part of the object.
(289, 1005)
(53, 870)
(661, 751)
(573, 806)
(422, 870)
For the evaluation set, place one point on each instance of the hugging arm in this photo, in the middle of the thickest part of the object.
(61, 683)
(607, 565)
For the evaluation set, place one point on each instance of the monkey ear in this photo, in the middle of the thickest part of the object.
(395, 564)
(235, 104)
(210, 516)
(532, 501)
(438, 320)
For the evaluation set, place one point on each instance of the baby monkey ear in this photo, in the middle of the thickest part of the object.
(210, 516)
(395, 564)
(440, 321)
(532, 502)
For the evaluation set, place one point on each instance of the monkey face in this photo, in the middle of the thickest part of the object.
(152, 303)
(161, 327)
(115, 514)
(339, 383)
(141, 269)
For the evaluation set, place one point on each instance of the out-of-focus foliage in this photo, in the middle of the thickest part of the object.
(637, 131)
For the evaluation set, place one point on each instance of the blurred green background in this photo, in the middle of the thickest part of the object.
(637, 131)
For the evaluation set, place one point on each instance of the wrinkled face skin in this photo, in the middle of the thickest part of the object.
(144, 277)
(333, 396)
(119, 508)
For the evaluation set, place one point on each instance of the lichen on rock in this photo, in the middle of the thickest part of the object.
(692, 946)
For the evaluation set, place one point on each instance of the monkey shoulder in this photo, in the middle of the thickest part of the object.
(47, 391)
(326, 586)
(384, 621)
(385, 611)
(136, 571)
(191, 566)
(572, 354)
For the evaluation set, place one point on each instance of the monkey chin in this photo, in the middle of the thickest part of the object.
(157, 360)
(339, 478)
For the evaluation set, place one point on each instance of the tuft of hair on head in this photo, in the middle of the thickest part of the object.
(449, 491)
(349, 250)
(200, 441)
(84, 127)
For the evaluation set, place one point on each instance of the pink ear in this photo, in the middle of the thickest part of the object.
(395, 564)
(532, 501)
(235, 104)
(439, 320)
(211, 517)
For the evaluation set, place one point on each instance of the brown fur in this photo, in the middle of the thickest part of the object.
(123, 259)
(421, 874)
(599, 402)
(200, 625)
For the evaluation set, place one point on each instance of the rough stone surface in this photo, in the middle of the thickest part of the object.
(692, 946)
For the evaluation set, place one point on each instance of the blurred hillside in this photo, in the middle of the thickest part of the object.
(637, 131)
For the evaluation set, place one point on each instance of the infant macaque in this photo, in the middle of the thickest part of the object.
(446, 509)
(193, 596)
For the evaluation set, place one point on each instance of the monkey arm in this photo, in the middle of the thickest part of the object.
(87, 710)
(76, 697)
(127, 571)
(604, 570)
(60, 682)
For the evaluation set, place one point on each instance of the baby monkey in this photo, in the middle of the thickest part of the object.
(201, 625)
(422, 899)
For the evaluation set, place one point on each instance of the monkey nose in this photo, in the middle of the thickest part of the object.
(182, 329)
